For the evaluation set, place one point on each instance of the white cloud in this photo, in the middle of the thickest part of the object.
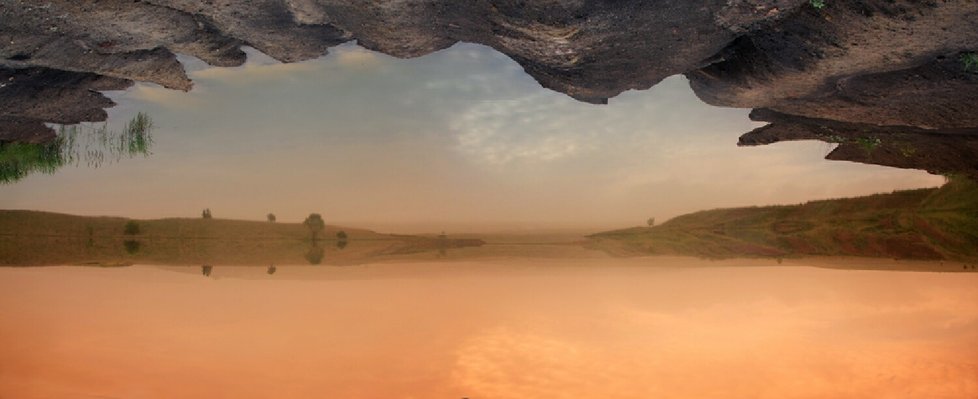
(538, 127)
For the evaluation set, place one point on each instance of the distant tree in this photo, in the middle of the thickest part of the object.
(315, 224)
(271, 269)
(341, 244)
(206, 270)
(341, 236)
(132, 228)
(650, 222)
(131, 246)
(206, 213)
(271, 217)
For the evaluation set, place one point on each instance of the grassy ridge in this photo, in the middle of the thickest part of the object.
(939, 223)
(43, 238)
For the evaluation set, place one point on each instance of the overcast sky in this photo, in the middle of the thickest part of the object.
(457, 140)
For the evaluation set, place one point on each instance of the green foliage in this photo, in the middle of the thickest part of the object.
(868, 143)
(818, 4)
(17, 160)
(132, 228)
(135, 138)
(94, 145)
(970, 61)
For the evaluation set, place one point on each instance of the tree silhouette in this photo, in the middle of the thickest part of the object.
(315, 224)
(206, 270)
(132, 228)
(271, 269)
(271, 217)
(651, 222)
(206, 213)
(341, 236)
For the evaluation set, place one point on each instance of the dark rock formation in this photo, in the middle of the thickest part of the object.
(816, 53)
(591, 50)
(949, 151)
(31, 96)
(873, 62)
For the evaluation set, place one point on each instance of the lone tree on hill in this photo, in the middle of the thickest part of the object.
(206, 214)
(271, 217)
(651, 222)
(315, 224)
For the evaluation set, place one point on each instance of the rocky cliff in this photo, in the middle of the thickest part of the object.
(867, 62)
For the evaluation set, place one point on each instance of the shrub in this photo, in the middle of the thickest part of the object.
(970, 61)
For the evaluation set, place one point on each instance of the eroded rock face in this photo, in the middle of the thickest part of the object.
(949, 151)
(31, 96)
(591, 50)
(809, 53)
(872, 62)
(938, 95)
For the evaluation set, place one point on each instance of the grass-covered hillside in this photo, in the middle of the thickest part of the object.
(41, 238)
(940, 223)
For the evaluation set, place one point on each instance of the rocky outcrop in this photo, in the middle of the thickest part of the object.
(875, 62)
(948, 151)
(591, 50)
(31, 96)
(813, 53)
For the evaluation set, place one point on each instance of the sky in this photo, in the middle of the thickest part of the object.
(458, 140)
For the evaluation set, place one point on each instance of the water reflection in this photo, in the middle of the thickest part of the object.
(74, 145)
(131, 246)
(315, 254)
(502, 329)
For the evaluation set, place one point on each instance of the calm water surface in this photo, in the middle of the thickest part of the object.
(493, 329)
